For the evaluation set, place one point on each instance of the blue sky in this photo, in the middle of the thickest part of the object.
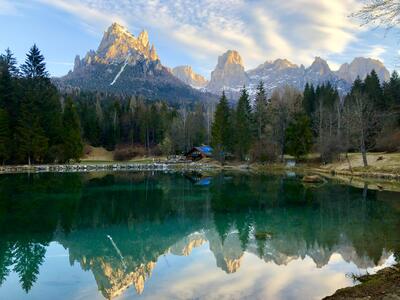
(196, 32)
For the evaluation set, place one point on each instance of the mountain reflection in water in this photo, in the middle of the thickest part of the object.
(118, 226)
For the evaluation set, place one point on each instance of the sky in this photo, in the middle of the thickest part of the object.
(196, 32)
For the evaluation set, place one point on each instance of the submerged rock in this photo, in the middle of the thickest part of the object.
(263, 235)
(313, 179)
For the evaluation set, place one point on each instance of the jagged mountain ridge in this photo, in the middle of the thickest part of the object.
(126, 64)
(229, 74)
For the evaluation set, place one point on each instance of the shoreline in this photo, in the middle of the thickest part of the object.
(381, 181)
(88, 166)
(384, 284)
(102, 166)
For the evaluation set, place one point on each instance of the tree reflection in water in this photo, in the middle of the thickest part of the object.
(118, 225)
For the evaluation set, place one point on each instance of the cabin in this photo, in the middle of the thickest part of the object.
(198, 153)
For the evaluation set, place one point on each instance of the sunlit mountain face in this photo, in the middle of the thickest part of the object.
(184, 236)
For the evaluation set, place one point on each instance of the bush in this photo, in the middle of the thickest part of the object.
(124, 153)
(330, 149)
(388, 142)
(156, 151)
(264, 152)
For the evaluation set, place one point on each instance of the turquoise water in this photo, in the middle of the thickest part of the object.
(187, 236)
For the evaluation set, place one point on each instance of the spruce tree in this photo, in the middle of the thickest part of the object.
(34, 66)
(299, 136)
(11, 63)
(243, 132)
(391, 90)
(72, 142)
(373, 89)
(6, 88)
(309, 100)
(221, 128)
(31, 140)
(260, 111)
(5, 137)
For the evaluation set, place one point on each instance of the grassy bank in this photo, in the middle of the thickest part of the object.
(385, 284)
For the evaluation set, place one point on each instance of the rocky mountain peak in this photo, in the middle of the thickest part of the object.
(118, 43)
(231, 57)
(188, 76)
(229, 72)
(320, 66)
(361, 67)
(283, 64)
(127, 64)
(143, 38)
(153, 53)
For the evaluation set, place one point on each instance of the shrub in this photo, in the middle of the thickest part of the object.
(264, 152)
(330, 149)
(124, 153)
(388, 142)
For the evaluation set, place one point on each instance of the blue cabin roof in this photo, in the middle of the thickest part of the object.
(205, 149)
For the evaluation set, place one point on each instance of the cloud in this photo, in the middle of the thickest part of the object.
(376, 52)
(8, 8)
(60, 63)
(260, 30)
(91, 17)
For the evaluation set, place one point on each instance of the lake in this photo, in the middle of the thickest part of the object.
(144, 235)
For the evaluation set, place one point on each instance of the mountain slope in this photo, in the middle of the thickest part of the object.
(125, 64)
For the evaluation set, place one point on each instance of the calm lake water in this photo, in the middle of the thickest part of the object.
(175, 236)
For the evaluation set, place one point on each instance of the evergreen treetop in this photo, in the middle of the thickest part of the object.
(34, 66)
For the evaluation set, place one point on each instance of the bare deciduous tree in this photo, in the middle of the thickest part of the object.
(362, 123)
(385, 13)
(284, 104)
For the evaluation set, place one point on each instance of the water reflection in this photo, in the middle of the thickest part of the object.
(118, 226)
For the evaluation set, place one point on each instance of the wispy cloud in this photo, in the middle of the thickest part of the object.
(258, 29)
(8, 8)
(376, 52)
(61, 63)
(90, 15)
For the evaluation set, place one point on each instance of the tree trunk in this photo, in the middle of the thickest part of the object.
(364, 154)
(348, 161)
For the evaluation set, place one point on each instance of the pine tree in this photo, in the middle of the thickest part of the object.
(373, 89)
(72, 142)
(11, 63)
(5, 137)
(31, 140)
(260, 110)
(299, 136)
(43, 100)
(309, 100)
(243, 132)
(34, 66)
(391, 90)
(221, 128)
(6, 88)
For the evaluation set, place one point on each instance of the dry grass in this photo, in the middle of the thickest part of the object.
(378, 162)
(97, 154)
